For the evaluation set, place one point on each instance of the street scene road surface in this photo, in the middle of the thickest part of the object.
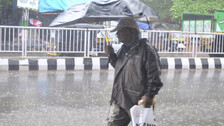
(81, 98)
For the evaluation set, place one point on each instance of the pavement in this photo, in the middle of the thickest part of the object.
(81, 98)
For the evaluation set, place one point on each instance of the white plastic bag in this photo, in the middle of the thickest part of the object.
(141, 116)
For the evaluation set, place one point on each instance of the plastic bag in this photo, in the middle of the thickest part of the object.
(141, 116)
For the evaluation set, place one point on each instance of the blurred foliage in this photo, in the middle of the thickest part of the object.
(197, 6)
(161, 7)
(175, 8)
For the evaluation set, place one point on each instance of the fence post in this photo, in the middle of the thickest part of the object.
(191, 45)
(25, 18)
(195, 43)
(85, 43)
(24, 42)
(88, 42)
(0, 39)
(196, 46)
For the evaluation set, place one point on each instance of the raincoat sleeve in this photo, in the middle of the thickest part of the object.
(152, 66)
(112, 59)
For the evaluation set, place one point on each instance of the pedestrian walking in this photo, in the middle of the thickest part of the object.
(137, 73)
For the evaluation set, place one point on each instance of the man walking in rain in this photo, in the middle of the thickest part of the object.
(137, 73)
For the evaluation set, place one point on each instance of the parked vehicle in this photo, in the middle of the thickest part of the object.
(104, 38)
(176, 42)
(31, 46)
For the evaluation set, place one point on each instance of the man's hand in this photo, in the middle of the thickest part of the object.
(109, 49)
(147, 101)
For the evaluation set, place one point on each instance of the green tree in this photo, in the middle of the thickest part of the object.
(161, 7)
(197, 6)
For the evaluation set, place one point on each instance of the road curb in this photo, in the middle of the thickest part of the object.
(97, 63)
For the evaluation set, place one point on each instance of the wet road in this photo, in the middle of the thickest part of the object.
(68, 98)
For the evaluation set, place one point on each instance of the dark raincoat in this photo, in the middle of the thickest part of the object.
(136, 74)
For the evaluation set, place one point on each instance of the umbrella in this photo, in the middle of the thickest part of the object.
(103, 10)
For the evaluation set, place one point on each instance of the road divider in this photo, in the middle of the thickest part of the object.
(97, 63)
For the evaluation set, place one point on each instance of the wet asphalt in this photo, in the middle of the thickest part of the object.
(81, 98)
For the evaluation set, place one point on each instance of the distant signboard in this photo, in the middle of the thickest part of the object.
(196, 22)
(219, 16)
(199, 26)
(192, 26)
(186, 27)
(28, 4)
(207, 25)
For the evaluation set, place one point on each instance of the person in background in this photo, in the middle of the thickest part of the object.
(137, 73)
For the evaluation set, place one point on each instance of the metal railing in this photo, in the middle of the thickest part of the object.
(186, 42)
(93, 41)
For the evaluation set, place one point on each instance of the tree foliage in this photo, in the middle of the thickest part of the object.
(161, 7)
(175, 8)
(197, 6)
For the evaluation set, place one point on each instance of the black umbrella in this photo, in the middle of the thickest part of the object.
(103, 10)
